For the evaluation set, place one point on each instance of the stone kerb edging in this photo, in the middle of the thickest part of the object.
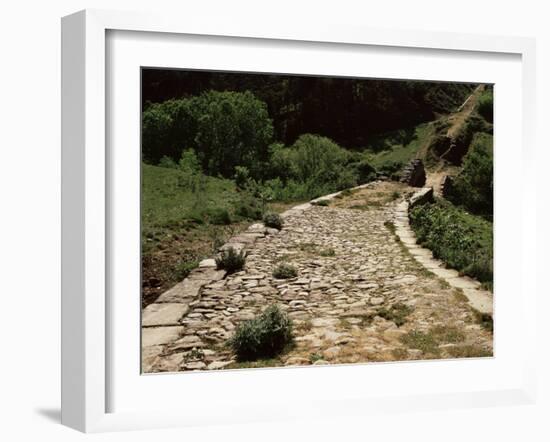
(161, 320)
(478, 298)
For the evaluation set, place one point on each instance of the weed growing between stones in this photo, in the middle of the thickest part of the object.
(230, 260)
(273, 220)
(262, 337)
(397, 313)
(285, 271)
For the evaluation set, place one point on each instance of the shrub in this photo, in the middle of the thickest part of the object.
(242, 175)
(485, 105)
(262, 337)
(312, 167)
(274, 220)
(226, 129)
(168, 162)
(365, 172)
(473, 186)
(248, 206)
(189, 163)
(230, 260)
(218, 216)
(391, 168)
(462, 240)
(285, 271)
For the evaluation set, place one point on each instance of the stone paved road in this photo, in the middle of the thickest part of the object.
(354, 280)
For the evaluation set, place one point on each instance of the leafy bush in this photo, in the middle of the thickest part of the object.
(274, 220)
(485, 105)
(230, 260)
(461, 240)
(226, 129)
(473, 187)
(242, 177)
(248, 206)
(168, 162)
(262, 337)
(285, 271)
(189, 162)
(391, 168)
(314, 166)
(365, 172)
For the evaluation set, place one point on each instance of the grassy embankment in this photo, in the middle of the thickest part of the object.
(184, 221)
(462, 240)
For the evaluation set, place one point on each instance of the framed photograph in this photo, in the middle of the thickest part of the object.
(266, 224)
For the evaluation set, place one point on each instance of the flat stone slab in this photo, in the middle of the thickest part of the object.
(481, 300)
(162, 314)
(421, 252)
(445, 273)
(149, 356)
(462, 282)
(151, 336)
(210, 262)
(183, 292)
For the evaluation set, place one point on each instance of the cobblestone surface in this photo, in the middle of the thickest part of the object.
(354, 277)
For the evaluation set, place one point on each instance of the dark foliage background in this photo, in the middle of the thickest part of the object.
(349, 111)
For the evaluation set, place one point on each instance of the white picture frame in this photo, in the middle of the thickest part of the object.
(86, 317)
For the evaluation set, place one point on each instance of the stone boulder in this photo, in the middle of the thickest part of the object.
(414, 173)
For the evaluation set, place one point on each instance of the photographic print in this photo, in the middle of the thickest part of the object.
(298, 220)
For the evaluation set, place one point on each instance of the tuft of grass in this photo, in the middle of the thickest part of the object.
(421, 341)
(274, 220)
(183, 269)
(397, 313)
(394, 195)
(230, 260)
(285, 271)
(314, 357)
(469, 351)
(447, 334)
(327, 252)
(263, 337)
(322, 203)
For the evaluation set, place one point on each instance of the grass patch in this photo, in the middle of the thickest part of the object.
(447, 334)
(314, 357)
(327, 252)
(469, 351)
(421, 341)
(183, 269)
(428, 342)
(397, 313)
(398, 147)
